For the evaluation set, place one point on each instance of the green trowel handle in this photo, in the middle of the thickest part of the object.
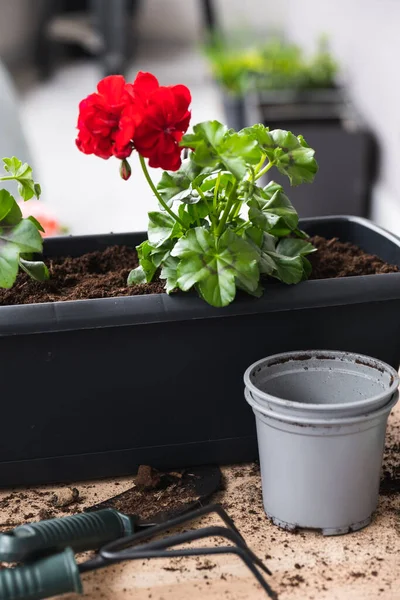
(86, 531)
(44, 578)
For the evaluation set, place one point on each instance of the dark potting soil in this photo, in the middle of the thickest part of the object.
(103, 274)
(155, 493)
(342, 259)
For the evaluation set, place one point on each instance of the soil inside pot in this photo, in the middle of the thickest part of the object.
(103, 274)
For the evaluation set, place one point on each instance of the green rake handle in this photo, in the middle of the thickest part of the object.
(48, 577)
(85, 531)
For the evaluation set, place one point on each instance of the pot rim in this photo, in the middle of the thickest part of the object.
(322, 408)
(327, 422)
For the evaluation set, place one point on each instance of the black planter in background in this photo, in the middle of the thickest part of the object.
(346, 151)
(235, 109)
(94, 388)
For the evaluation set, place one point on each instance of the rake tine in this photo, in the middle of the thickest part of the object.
(187, 536)
(181, 520)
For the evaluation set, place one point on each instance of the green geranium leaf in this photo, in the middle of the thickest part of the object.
(267, 264)
(272, 187)
(193, 211)
(205, 141)
(214, 265)
(15, 240)
(160, 229)
(272, 213)
(207, 134)
(285, 260)
(137, 276)
(22, 173)
(213, 144)
(169, 272)
(293, 157)
(6, 204)
(287, 269)
(35, 269)
(189, 196)
(301, 234)
(36, 224)
(173, 184)
(257, 293)
(254, 235)
(262, 136)
(226, 181)
(307, 268)
(13, 217)
(24, 235)
(9, 255)
(237, 151)
(19, 238)
(294, 247)
(147, 264)
(169, 186)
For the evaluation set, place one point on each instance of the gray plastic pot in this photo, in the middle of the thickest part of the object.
(321, 420)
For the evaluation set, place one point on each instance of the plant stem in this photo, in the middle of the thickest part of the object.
(216, 189)
(227, 209)
(196, 215)
(235, 210)
(260, 164)
(210, 212)
(264, 170)
(158, 196)
(242, 226)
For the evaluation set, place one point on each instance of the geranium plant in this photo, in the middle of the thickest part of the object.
(20, 237)
(218, 229)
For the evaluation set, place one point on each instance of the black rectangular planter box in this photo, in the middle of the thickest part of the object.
(292, 107)
(93, 388)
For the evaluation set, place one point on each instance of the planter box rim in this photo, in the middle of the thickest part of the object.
(155, 308)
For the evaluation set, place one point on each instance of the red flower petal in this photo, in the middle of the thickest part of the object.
(182, 96)
(142, 88)
(113, 88)
(145, 82)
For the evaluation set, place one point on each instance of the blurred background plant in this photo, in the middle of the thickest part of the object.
(273, 65)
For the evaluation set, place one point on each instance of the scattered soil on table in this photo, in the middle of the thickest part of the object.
(103, 274)
(162, 493)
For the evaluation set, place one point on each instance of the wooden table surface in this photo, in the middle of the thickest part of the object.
(359, 566)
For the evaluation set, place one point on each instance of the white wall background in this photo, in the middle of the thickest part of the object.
(364, 36)
(184, 18)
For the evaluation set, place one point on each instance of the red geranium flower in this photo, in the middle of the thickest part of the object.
(144, 115)
(165, 119)
(104, 127)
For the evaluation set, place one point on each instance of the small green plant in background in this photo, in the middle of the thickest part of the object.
(274, 65)
(220, 230)
(19, 238)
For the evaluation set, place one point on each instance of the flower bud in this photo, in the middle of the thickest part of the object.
(125, 170)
